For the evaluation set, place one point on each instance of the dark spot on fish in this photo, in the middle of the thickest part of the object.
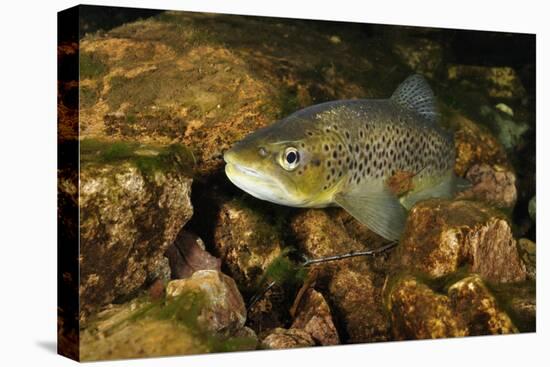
(326, 147)
(328, 163)
(347, 134)
(334, 154)
(310, 133)
(316, 162)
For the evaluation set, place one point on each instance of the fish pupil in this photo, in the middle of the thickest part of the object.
(292, 157)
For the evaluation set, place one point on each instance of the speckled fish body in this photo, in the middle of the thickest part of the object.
(345, 152)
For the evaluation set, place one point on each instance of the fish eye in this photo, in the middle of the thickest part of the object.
(291, 158)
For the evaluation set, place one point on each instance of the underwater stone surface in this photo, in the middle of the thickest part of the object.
(224, 310)
(495, 185)
(500, 82)
(418, 312)
(528, 254)
(281, 338)
(422, 55)
(145, 338)
(353, 288)
(187, 255)
(128, 219)
(476, 305)
(441, 236)
(475, 145)
(246, 242)
(462, 308)
(313, 315)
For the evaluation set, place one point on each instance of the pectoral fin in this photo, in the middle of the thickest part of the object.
(374, 205)
(446, 187)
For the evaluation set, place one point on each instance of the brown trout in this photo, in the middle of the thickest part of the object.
(344, 153)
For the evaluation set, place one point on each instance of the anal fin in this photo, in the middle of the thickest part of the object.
(374, 205)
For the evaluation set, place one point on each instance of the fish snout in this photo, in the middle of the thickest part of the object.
(229, 156)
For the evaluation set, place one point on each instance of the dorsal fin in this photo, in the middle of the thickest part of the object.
(415, 95)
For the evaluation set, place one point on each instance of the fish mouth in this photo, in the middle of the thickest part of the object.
(253, 182)
(246, 170)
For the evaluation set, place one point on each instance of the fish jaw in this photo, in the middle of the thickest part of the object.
(259, 184)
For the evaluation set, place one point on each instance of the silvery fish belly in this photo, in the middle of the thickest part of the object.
(347, 153)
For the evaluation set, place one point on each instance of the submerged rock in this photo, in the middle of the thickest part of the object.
(500, 82)
(146, 338)
(418, 312)
(493, 184)
(528, 254)
(352, 287)
(201, 314)
(131, 209)
(422, 55)
(463, 308)
(246, 241)
(223, 310)
(188, 255)
(287, 338)
(475, 145)
(520, 302)
(443, 236)
(475, 304)
(314, 317)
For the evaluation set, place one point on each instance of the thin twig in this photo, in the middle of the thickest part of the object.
(309, 262)
(259, 296)
(373, 252)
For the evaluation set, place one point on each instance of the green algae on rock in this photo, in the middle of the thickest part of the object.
(190, 320)
(223, 310)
